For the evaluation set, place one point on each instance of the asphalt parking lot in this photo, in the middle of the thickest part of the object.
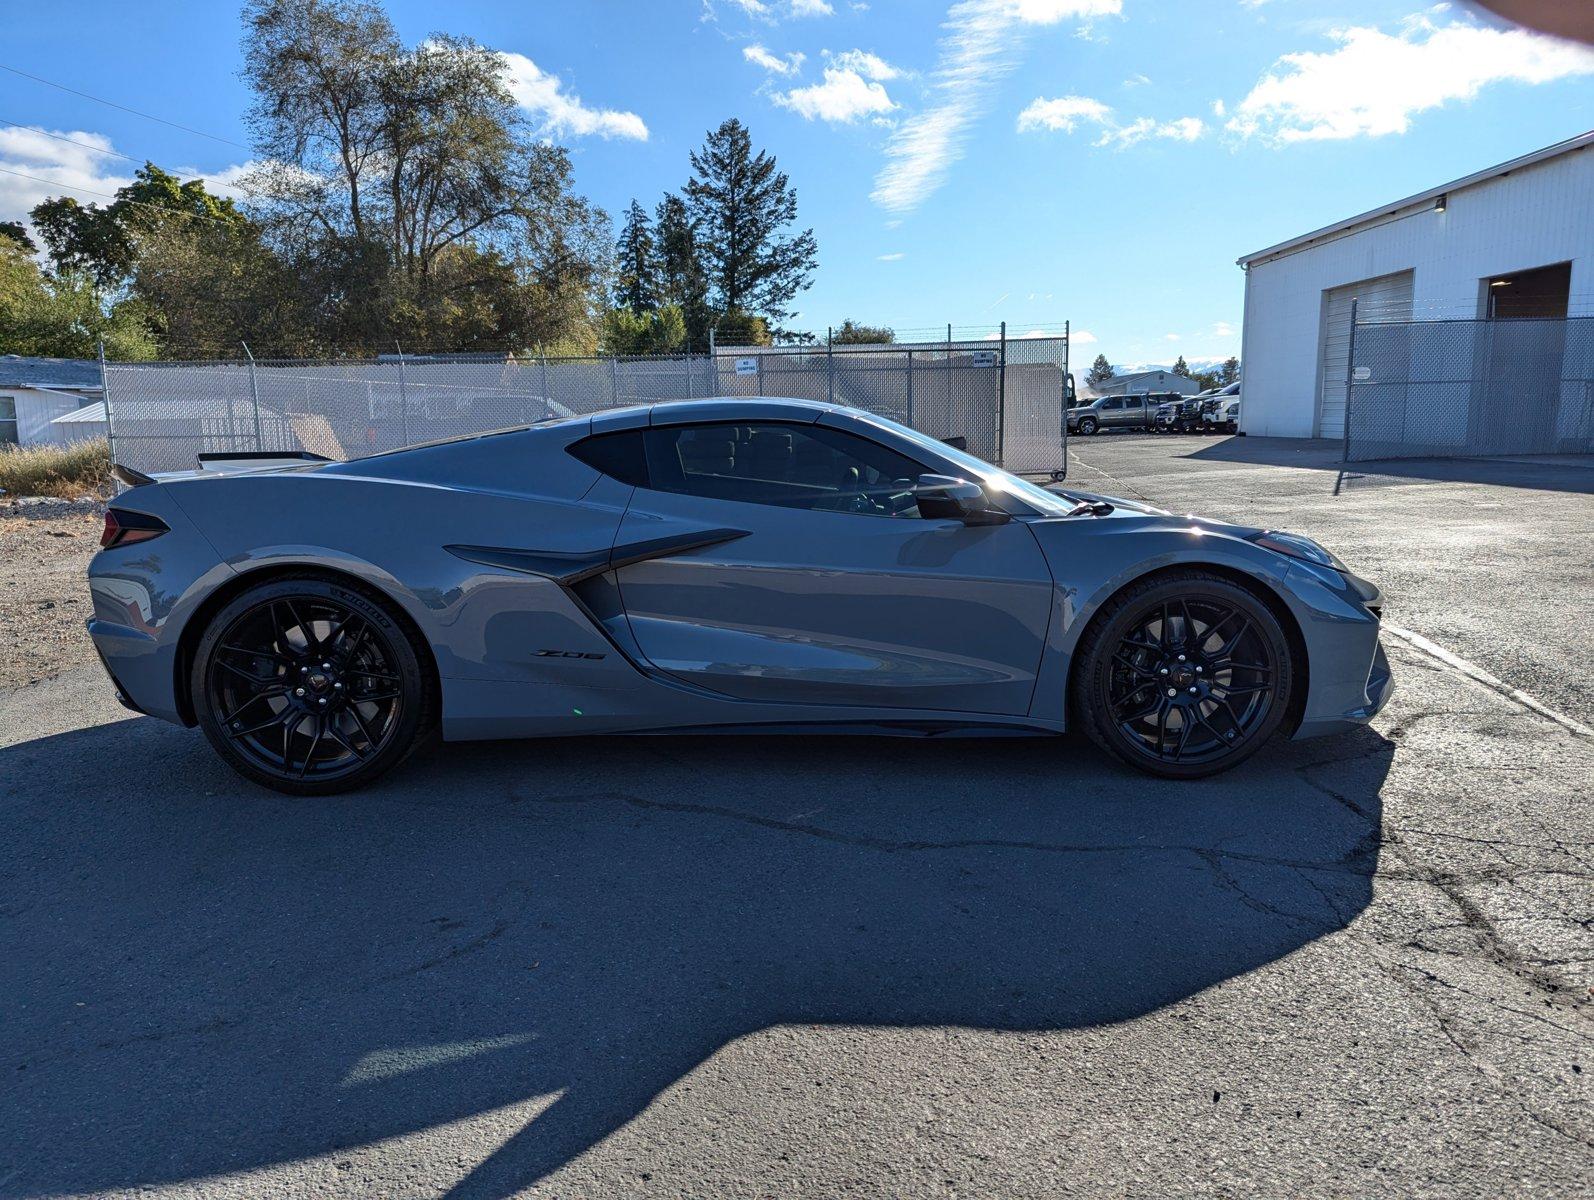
(818, 967)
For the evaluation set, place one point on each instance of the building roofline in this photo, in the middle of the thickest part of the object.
(1581, 142)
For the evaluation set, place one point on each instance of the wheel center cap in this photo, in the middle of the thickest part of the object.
(1181, 676)
(319, 681)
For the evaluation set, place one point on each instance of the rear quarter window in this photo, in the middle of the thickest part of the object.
(618, 455)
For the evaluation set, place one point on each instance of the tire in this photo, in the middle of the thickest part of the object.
(1087, 426)
(1233, 683)
(310, 686)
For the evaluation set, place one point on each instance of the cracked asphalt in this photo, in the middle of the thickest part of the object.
(832, 966)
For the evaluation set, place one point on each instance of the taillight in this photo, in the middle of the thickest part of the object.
(122, 528)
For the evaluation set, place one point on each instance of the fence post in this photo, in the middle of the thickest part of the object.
(1350, 374)
(614, 382)
(1001, 400)
(254, 394)
(105, 394)
(910, 386)
(404, 397)
(951, 417)
(760, 374)
(1068, 345)
(830, 365)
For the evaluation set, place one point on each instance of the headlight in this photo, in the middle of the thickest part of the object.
(1293, 545)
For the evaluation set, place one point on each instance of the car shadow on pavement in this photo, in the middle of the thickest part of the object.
(201, 977)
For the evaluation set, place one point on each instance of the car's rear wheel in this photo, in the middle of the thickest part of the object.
(310, 687)
(1183, 675)
(1087, 426)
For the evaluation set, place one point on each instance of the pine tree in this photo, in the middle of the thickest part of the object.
(742, 207)
(1229, 371)
(1100, 371)
(636, 284)
(681, 278)
(1181, 367)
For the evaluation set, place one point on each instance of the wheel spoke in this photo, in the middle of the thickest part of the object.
(338, 736)
(276, 718)
(257, 680)
(258, 696)
(375, 696)
(315, 742)
(365, 731)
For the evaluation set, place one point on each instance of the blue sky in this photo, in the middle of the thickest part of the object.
(1104, 161)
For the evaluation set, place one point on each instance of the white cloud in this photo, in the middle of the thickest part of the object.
(870, 66)
(1064, 114)
(851, 88)
(1067, 113)
(1170, 337)
(1182, 129)
(774, 64)
(1218, 108)
(768, 10)
(897, 257)
(563, 114)
(1222, 329)
(978, 47)
(811, 8)
(753, 8)
(1137, 81)
(84, 165)
(1083, 337)
(1374, 82)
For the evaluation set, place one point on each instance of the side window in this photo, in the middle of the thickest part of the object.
(1133, 402)
(618, 455)
(8, 420)
(1112, 405)
(785, 465)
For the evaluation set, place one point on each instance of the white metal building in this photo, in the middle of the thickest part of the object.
(34, 391)
(1514, 240)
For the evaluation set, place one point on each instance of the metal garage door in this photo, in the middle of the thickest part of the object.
(1387, 298)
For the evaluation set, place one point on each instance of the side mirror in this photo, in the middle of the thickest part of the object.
(942, 497)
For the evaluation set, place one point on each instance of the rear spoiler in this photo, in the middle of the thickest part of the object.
(128, 475)
(249, 455)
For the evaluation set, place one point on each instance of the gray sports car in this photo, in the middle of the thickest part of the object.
(707, 565)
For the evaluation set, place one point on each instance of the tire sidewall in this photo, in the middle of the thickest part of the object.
(1087, 427)
(1121, 615)
(414, 709)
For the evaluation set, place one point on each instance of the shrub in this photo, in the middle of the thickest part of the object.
(82, 469)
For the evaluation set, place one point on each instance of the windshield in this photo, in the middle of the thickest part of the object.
(1048, 504)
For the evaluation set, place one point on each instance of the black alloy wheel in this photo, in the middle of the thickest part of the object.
(1183, 675)
(1087, 426)
(309, 687)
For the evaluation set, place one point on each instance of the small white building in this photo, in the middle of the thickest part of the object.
(1147, 381)
(1514, 240)
(34, 391)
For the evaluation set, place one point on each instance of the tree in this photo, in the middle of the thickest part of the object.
(15, 231)
(1207, 380)
(682, 280)
(1229, 371)
(407, 185)
(636, 285)
(626, 331)
(741, 328)
(742, 207)
(851, 333)
(62, 316)
(1100, 371)
(1181, 367)
(98, 240)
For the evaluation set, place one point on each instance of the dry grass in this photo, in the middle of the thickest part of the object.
(83, 469)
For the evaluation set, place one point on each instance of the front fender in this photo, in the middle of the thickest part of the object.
(1093, 559)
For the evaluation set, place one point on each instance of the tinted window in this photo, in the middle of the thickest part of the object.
(1110, 405)
(618, 455)
(790, 466)
(1132, 402)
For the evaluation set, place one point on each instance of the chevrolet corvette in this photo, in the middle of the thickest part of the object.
(715, 565)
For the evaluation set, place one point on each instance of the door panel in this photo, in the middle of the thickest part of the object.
(1384, 299)
(839, 608)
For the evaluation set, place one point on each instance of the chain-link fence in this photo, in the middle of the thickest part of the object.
(1004, 398)
(1468, 388)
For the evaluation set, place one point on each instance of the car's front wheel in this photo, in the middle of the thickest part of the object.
(1087, 426)
(310, 687)
(1183, 675)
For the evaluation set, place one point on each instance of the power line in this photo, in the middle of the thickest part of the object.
(124, 108)
(70, 141)
(67, 187)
